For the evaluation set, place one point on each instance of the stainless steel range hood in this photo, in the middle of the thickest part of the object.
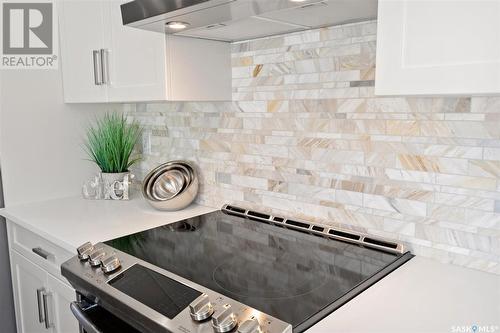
(236, 20)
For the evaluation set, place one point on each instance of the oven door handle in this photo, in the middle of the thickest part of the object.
(83, 319)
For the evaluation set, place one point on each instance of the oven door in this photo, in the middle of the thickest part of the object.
(93, 318)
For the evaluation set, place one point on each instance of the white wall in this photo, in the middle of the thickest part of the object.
(41, 152)
(7, 316)
(41, 137)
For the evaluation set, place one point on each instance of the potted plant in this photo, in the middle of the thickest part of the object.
(110, 144)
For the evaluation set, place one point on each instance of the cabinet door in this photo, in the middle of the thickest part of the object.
(136, 60)
(60, 296)
(81, 31)
(438, 47)
(27, 279)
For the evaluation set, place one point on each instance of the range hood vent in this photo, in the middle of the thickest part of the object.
(237, 20)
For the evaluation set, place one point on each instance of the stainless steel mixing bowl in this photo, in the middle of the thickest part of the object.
(160, 171)
(169, 200)
(169, 184)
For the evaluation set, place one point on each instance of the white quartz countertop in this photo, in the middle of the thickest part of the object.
(70, 222)
(421, 296)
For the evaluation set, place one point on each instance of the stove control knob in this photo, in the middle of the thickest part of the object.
(224, 320)
(96, 256)
(84, 250)
(201, 308)
(110, 263)
(249, 326)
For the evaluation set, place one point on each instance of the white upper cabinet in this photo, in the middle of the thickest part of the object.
(81, 37)
(438, 47)
(136, 60)
(105, 61)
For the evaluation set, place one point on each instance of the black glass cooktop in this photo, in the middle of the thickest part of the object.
(290, 275)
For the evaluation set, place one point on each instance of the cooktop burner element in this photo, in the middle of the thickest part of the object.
(299, 284)
(287, 274)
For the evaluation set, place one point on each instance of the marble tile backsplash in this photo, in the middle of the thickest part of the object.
(306, 137)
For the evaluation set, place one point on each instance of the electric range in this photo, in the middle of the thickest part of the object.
(230, 270)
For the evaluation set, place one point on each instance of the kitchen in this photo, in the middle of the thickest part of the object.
(373, 125)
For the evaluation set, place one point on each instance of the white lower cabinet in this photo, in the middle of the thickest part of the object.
(41, 300)
(28, 281)
(61, 295)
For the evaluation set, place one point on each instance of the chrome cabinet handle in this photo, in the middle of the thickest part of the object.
(39, 304)
(97, 67)
(41, 252)
(104, 65)
(45, 297)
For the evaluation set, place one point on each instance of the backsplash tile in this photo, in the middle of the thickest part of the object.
(307, 138)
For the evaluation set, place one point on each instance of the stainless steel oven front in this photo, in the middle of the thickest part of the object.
(140, 297)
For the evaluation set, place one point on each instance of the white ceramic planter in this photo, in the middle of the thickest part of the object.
(115, 185)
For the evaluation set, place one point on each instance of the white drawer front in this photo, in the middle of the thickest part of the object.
(36, 248)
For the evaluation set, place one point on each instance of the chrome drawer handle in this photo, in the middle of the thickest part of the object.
(41, 252)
